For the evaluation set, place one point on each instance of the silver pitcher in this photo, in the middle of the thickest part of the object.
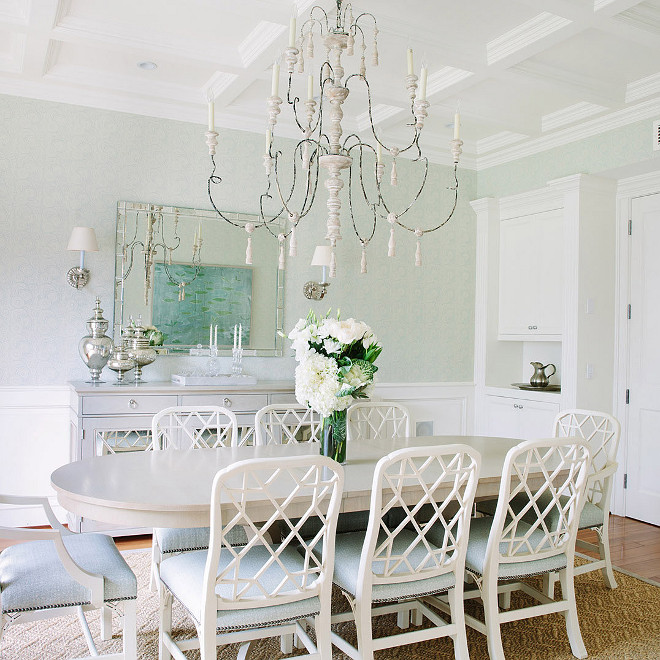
(539, 377)
(95, 348)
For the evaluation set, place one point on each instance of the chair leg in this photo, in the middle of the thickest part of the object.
(505, 600)
(323, 642)
(364, 632)
(403, 619)
(604, 551)
(572, 624)
(457, 611)
(129, 630)
(155, 565)
(165, 624)
(549, 585)
(492, 619)
(286, 644)
(106, 623)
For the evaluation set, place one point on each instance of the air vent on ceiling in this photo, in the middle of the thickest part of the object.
(656, 135)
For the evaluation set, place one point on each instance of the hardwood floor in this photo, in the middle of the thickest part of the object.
(635, 546)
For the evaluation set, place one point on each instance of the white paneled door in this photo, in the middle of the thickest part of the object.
(643, 461)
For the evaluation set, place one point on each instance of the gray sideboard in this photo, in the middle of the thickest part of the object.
(111, 419)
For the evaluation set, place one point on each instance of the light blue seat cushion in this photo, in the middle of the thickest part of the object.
(172, 540)
(590, 516)
(184, 575)
(476, 553)
(348, 548)
(33, 578)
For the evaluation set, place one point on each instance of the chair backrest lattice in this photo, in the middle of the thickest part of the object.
(183, 427)
(602, 433)
(280, 425)
(290, 491)
(377, 420)
(397, 547)
(553, 505)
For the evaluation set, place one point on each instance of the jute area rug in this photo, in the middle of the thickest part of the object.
(623, 624)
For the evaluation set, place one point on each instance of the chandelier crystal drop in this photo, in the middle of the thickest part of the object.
(325, 148)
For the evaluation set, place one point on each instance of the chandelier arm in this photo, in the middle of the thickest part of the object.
(132, 247)
(313, 20)
(364, 242)
(293, 103)
(365, 13)
(415, 198)
(371, 119)
(216, 180)
(362, 145)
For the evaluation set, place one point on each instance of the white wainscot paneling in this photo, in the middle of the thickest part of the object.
(34, 440)
(435, 408)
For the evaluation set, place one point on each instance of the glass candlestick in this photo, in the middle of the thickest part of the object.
(237, 361)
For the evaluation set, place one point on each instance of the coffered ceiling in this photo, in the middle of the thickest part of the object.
(529, 74)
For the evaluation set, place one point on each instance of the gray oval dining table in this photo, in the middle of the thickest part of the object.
(173, 488)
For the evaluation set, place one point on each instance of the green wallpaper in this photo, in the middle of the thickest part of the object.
(617, 148)
(67, 165)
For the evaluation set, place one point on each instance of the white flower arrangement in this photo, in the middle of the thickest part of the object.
(336, 362)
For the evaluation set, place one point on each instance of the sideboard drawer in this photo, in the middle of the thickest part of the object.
(126, 404)
(235, 402)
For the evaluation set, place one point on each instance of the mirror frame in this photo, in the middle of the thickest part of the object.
(121, 267)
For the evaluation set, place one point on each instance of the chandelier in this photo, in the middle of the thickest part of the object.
(324, 147)
(155, 241)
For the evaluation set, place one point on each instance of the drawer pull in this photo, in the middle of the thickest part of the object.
(226, 402)
(532, 327)
(132, 403)
(518, 406)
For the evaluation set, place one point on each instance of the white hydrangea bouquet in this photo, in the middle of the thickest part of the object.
(336, 365)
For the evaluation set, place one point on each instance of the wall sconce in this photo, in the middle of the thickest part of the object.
(83, 239)
(316, 290)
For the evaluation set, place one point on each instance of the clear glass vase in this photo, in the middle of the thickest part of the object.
(333, 436)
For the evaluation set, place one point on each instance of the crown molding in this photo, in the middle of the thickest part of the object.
(635, 186)
(524, 35)
(642, 88)
(498, 141)
(645, 110)
(259, 40)
(444, 78)
(570, 115)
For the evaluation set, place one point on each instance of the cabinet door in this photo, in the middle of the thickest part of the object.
(530, 300)
(502, 418)
(509, 417)
(536, 418)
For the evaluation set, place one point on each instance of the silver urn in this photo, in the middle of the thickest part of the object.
(136, 343)
(120, 362)
(95, 348)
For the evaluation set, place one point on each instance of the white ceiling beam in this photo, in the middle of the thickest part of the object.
(37, 54)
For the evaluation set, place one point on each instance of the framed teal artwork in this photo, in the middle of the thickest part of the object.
(219, 295)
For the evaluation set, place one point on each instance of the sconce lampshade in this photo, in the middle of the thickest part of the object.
(83, 238)
(322, 255)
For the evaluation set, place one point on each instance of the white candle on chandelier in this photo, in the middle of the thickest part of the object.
(275, 87)
(379, 152)
(211, 335)
(457, 122)
(211, 115)
(235, 335)
(215, 336)
(240, 335)
(310, 87)
(292, 31)
(423, 74)
(410, 62)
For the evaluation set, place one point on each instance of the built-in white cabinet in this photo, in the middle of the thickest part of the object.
(530, 277)
(545, 291)
(514, 417)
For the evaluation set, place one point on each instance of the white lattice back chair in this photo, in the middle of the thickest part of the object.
(375, 420)
(54, 572)
(404, 558)
(187, 427)
(194, 427)
(537, 538)
(279, 425)
(262, 589)
(602, 433)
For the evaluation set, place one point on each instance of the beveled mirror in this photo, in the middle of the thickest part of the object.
(183, 271)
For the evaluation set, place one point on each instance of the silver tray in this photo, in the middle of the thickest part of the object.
(536, 388)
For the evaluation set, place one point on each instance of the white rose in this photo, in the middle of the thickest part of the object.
(331, 346)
